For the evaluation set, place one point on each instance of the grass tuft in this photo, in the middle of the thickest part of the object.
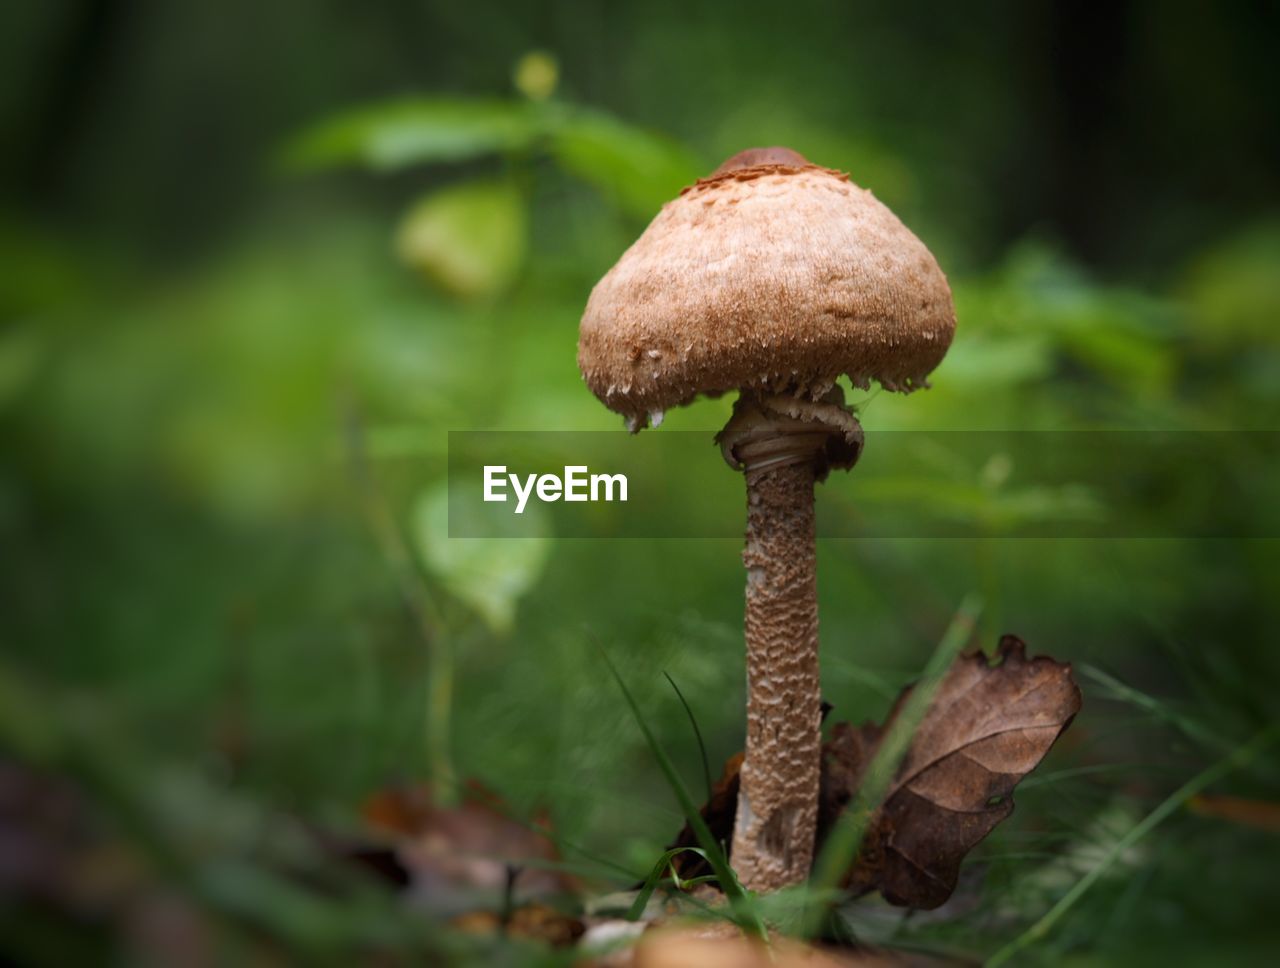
(742, 906)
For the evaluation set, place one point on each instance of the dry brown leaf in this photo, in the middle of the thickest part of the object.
(532, 922)
(718, 812)
(1260, 814)
(464, 856)
(987, 727)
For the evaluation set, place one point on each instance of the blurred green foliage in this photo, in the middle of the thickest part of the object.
(226, 231)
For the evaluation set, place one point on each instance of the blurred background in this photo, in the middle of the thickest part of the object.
(258, 260)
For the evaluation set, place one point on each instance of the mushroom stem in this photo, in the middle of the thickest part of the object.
(783, 446)
(778, 798)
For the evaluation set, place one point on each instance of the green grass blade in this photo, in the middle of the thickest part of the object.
(1190, 727)
(1237, 759)
(655, 877)
(697, 733)
(845, 840)
(741, 904)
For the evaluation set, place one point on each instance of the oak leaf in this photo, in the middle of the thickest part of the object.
(989, 724)
(986, 728)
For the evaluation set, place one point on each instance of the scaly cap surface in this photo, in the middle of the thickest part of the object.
(774, 275)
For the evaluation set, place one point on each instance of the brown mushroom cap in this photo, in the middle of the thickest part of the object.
(773, 274)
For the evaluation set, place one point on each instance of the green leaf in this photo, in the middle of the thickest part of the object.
(490, 575)
(470, 239)
(994, 510)
(1234, 289)
(1130, 358)
(21, 351)
(986, 361)
(634, 168)
(397, 134)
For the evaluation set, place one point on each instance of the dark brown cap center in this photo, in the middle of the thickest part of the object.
(754, 157)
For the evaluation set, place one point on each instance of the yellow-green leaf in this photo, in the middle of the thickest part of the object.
(490, 575)
(469, 239)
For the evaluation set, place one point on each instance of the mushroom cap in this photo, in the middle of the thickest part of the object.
(774, 275)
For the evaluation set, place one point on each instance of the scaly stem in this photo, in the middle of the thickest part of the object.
(778, 800)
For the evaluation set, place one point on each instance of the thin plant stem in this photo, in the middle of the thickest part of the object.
(439, 719)
(428, 617)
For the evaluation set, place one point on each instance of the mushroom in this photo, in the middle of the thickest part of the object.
(772, 277)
